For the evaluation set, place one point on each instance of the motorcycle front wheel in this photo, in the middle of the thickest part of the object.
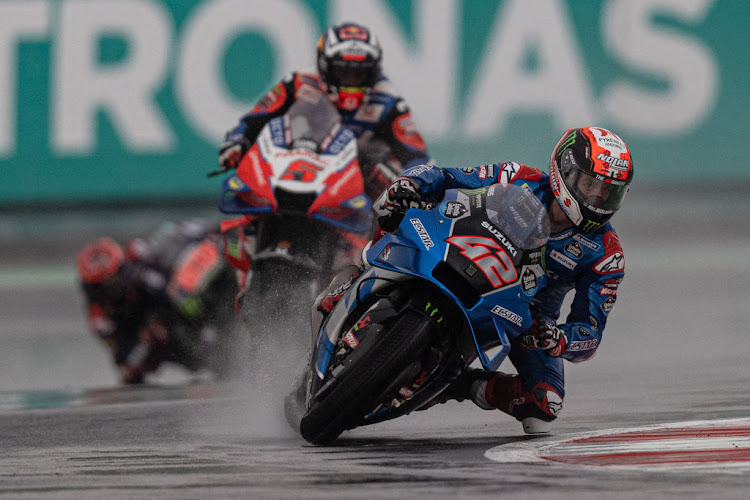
(355, 390)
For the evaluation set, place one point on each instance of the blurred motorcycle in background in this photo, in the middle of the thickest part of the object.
(162, 299)
(303, 214)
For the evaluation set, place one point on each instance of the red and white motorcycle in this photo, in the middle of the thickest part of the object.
(304, 212)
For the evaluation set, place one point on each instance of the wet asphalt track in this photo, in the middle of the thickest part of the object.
(675, 350)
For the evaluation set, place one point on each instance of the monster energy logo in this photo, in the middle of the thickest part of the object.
(568, 141)
(432, 310)
(589, 226)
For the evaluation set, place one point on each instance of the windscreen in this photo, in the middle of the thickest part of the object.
(518, 214)
(312, 118)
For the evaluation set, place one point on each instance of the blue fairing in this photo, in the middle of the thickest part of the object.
(363, 287)
(420, 247)
(231, 203)
(339, 141)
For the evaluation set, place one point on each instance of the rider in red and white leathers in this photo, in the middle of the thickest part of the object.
(589, 174)
(349, 71)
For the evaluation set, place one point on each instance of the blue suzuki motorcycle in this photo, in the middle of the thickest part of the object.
(451, 284)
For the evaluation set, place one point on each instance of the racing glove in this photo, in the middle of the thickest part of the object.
(402, 195)
(232, 150)
(548, 338)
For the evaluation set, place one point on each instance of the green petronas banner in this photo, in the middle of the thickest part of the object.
(129, 99)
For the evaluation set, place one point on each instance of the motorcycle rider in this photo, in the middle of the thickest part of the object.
(589, 174)
(349, 59)
(160, 299)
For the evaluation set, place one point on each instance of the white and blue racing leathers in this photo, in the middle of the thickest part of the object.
(592, 264)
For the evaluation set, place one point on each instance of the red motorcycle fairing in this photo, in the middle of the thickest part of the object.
(326, 186)
(253, 181)
(340, 201)
(342, 195)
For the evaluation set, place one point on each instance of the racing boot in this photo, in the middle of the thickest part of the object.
(496, 390)
(535, 409)
(469, 385)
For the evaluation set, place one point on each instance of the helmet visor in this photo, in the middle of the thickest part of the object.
(601, 195)
(353, 74)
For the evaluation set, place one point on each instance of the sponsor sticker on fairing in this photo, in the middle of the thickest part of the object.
(341, 289)
(476, 201)
(422, 232)
(236, 183)
(338, 144)
(528, 282)
(500, 237)
(350, 339)
(504, 313)
(405, 392)
(453, 209)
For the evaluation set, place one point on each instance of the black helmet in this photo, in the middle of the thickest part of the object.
(349, 58)
(590, 173)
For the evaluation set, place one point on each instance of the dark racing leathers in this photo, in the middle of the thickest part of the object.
(592, 264)
(384, 117)
(162, 306)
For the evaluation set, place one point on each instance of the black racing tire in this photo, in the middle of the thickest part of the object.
(346, 403)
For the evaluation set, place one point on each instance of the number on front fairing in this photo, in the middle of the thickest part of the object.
(489, 256)
(301, 171)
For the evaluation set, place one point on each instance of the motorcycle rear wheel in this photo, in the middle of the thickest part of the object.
(357, 388)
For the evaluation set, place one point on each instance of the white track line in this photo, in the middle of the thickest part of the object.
(533, 451)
